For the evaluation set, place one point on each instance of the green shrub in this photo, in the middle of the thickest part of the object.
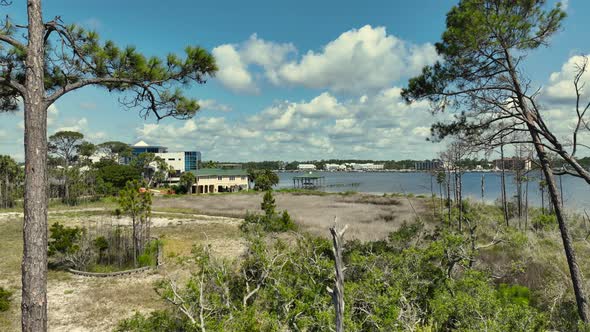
(544, 221)
(270, 221)
(5, 299)
(64, 239)
(149, 257)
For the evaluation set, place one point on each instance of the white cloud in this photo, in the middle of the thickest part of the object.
(379, 125)
(267, 54)
(561, 84)
(79, 125)
(565, 4)
(233, 72)
(358, 61)
(210, 104)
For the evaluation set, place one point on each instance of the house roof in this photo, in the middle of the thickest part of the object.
(140, 144)
(220, 172)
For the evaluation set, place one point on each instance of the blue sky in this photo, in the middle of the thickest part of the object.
(298, 80)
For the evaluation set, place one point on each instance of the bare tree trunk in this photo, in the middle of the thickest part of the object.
(504, 198)
(542, 198)
(441, 200)
(576, 274)
(483, 188)
(526, 205)
(449, 197)
(433, 199)
(66, 184)
(135, 242)
(460, 200)
(3, 199)
(338, 291)
(34, 265)
(519, 197)
(561, 189)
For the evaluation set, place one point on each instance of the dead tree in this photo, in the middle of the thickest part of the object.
(338, 291)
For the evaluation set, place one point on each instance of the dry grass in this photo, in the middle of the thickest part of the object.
(95, 304)
(369, 217)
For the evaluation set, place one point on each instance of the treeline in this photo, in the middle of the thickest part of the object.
(76, 174)
(320, 164)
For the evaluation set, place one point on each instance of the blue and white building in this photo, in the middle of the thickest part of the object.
(183, 161)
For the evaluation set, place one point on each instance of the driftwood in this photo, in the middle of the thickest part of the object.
(338, 291)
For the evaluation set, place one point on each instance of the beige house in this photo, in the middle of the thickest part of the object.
(216, 180)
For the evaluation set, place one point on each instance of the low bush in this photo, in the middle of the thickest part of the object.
(544, 221)
(5, 299)
(270, 221)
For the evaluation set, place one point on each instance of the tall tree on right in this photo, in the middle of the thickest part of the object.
(480, 76)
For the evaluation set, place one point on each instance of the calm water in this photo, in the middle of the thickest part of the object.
(576, 193)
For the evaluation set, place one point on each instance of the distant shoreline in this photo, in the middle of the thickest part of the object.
(394, 171)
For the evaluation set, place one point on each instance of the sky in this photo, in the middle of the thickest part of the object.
(298, 80)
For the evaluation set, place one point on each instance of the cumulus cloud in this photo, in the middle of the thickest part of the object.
(378, 125)
(211, 104)
(561, 84)
(233, 72)
(357, 61)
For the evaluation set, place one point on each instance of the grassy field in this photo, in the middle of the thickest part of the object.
(530, 258)
(97, 304)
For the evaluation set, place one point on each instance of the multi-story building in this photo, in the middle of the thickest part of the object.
(334, 167)
(183, 161)
(365, 167)
(513, 164)
(428, 165)
(306, 167)
(216, 180)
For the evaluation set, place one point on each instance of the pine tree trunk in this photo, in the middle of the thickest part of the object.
(449, 196)
(576, 274)
(460, 199)
(483, 188)
(441, 200)
(504, 198)
(66, 199)
(526, 205)
(34, 266)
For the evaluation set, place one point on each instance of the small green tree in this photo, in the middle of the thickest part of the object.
(11, 182)
(187, 179)
(264, 180)
(63, 239)
(65, 144)
(268, 204)
(114, 150)
(101, 244)
(137, 203)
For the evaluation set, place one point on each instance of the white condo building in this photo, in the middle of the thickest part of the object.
(306, 167)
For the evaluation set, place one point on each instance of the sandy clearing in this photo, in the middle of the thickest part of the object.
(369, 217)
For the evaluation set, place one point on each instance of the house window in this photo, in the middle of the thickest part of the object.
(232, 178)
(170, 159)
(220, 178)
(243, 178)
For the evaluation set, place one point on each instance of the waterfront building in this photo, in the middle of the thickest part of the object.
(365, 167)
(334, 167)
(216, 180)
(428, 165)
(182, 161)
(306, 167)
(513, 164)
